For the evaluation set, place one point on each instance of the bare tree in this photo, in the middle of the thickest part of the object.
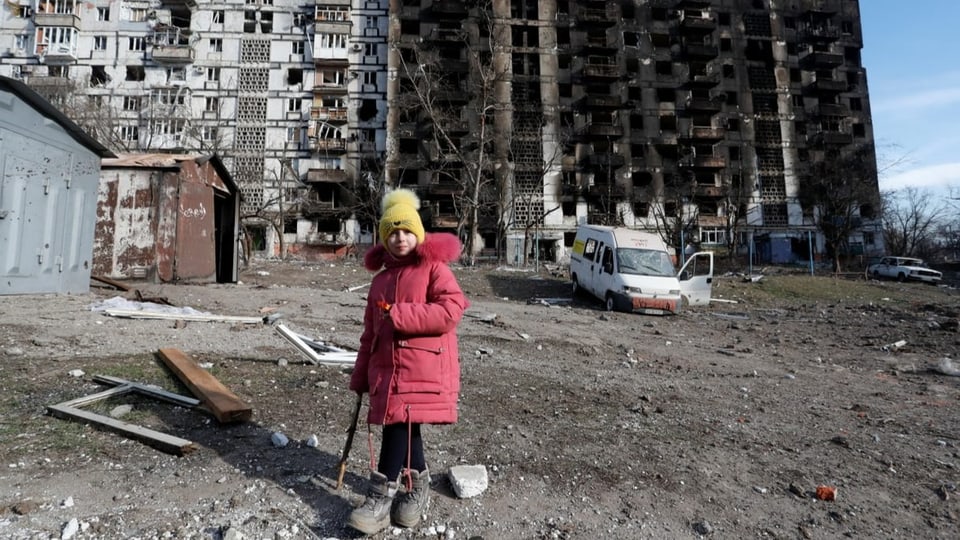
(842, 188)
(911, 220)
(434, 96)
(675, 218)
(94, 113)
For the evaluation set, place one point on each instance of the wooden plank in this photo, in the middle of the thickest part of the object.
(156, 439)
(112, 282)
(224, 404)
(139, 314)
(86, 400)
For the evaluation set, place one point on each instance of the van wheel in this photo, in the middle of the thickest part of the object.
(577, 289)
(609, 303)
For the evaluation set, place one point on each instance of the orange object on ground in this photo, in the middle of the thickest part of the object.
(826, 493)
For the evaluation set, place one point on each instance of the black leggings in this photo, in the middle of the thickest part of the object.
(393, 451)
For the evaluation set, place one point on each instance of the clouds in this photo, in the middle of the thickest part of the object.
(937, 177)
(913, 103)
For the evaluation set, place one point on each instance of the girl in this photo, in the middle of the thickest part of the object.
(408, 358)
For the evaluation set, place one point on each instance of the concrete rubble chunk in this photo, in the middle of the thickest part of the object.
(279, 439)
(468, 480)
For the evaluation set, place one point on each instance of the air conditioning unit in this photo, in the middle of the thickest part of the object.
(26, 69)
(357, 47)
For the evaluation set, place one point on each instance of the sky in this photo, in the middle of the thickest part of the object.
(911, 52)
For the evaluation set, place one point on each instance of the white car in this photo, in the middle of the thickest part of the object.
(903, 269)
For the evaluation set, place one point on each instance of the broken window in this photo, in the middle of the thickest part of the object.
(103, 13)
(98, 75)
(135, 73)
(668, 122)
(132, 103)
(99, 43)
(660, 40)
(211, 104)
(176, 74)
(664, 67)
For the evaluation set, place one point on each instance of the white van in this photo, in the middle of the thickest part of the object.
(634, 271)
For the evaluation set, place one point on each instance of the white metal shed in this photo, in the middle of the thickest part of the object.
(49, 173)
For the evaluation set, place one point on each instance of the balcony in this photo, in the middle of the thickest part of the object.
(703, 104)
(700, 51)
(702, 80)
(448, 8)
(705, 190)
(604, 161)
(446, 35)
(329, 145)
(705, 133)
(42, 82)
(330, 176)
(829, 138)
(702, 162)
(826, 86)
(698, 24)
(67, 20)
(171, 46)
(172, 54)
(593, 102)
(832, 109)
(820, 60)
(819, 34)
(601, 131)
(600, 68)
(606, 16)
(446, 187)
(329, 114)
(606, 190)
(57, 53)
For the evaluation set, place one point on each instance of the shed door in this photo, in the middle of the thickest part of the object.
(34, 216)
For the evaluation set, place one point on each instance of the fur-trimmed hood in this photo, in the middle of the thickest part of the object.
(436, 247)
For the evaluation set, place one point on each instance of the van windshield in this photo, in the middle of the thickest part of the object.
(645, 262)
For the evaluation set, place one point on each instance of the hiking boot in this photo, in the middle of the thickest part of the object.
(412, 504)
(374, 514)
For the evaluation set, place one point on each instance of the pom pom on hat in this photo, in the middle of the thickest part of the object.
(400, 212)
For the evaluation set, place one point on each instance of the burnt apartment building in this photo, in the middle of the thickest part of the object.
(514, 120)
(705, 116)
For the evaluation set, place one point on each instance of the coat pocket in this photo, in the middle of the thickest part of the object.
(420, 364)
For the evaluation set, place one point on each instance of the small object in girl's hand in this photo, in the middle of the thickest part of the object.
(385, 307)
(826, 493)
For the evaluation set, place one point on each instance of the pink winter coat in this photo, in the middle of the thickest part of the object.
(408, 361)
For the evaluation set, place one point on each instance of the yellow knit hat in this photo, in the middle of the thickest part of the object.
(400, 212)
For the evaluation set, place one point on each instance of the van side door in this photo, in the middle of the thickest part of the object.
(604, 268)
(696, 279)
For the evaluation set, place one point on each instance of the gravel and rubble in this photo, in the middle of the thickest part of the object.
(720, 422)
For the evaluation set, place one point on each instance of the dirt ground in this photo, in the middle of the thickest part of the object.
(719, 422)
